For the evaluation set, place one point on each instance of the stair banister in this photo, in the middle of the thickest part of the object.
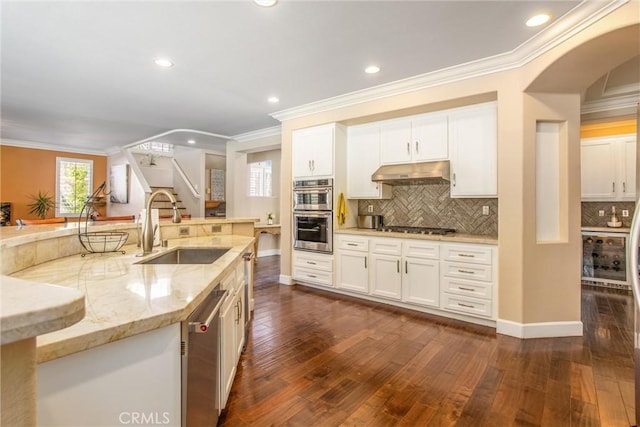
(185, 178)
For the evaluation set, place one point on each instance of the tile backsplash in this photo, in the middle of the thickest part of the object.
(431, 205)
(590, 210)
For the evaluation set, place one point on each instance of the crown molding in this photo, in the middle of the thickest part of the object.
(50, 147)
(609, 104)
(579, 18)
(257, 134)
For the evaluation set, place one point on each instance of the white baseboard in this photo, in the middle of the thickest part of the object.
(539, 330)
(268, 252)
(285, 280)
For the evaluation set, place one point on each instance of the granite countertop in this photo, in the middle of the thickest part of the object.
(124, 298)
(30, 309)
(14, 235)
(456, 237)
(607, 229)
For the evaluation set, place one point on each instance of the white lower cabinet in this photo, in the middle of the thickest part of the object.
(231, 333)
(452, 277)
(313, 268)
(386, 278)
(467, 280)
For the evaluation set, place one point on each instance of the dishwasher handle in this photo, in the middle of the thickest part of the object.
(203, 327)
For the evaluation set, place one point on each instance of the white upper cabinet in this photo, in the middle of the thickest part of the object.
(414, 139)
(363, 159)
(473, 151)
(608, 168)
(312, 151)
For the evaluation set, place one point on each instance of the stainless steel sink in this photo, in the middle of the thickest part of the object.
(187, 256)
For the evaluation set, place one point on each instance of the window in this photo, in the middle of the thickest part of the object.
(74, 178)
(153, 146)
(260, 179)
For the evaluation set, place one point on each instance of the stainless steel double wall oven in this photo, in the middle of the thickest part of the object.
(313, 215)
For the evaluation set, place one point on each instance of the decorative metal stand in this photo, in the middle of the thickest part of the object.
(98, 241)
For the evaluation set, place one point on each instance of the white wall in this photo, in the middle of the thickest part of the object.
(136, 193)
(238, 202)
(192, 163)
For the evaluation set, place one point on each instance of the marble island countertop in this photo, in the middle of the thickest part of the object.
(455, 237)
(124, 298)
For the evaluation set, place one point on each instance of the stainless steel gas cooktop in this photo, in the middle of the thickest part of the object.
(417, 230)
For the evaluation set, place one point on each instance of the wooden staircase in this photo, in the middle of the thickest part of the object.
(163, 204)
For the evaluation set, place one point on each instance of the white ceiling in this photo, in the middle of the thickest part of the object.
(81, 74)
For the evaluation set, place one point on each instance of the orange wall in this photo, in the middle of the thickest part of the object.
(25, 171)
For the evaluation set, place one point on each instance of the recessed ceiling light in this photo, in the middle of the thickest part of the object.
(163, 62)
(537, 20)
(372, 69)
(265, 3)
(273, 99)
(191, 141)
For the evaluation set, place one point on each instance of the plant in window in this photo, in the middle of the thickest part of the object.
(41, 204)
(269, 218)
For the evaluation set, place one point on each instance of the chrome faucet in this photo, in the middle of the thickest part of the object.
(148, 230)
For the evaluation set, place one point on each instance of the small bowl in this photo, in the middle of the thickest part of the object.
(614, 224)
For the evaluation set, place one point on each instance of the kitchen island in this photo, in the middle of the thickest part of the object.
(133, 314)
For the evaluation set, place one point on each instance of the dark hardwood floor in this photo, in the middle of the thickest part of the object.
(315, 358)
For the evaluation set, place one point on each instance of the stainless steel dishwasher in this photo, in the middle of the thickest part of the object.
(201, 362)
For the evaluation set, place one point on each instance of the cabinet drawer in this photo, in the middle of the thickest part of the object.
(386, 247)
(360, 244)
(467, 271)
(470, 288)
(467, 305)
(313, 276)
(428, 250)
(313, 262)
(467, 253)
(229, 282)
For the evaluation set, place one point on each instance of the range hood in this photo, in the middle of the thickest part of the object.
(412, 173)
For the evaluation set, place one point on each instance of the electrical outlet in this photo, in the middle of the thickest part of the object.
(625, 213)
(485, 210)
(601, 212)
(216, 228)
(369, 208)
(183, 231)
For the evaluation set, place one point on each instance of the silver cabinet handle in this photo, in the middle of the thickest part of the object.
(311, 262)
(613, 187)
(311, 275)
(398, 266)
(417, 148)
(310, 165)
(454, 179)
(466, 271)
(466, 289)
(313, 165)
(467, 255)
(466, 305)
(408, 148)
(624, 187)
(365, 262)
(352, 244)
(406, 267)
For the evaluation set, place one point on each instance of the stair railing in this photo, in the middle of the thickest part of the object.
(185, 178)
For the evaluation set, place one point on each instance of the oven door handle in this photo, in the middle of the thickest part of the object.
(312, 191)
(309, 229)
(309, 214)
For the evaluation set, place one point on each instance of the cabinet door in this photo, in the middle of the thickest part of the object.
(301, 155)
(363, 159)
(598, 170)
(353, 271)
(239, 318)
(421, 281)
(473, 151)
(430, 137)
(395, 142)
(386, 279)
(228, 355)
(628, 172)
(322, 141)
